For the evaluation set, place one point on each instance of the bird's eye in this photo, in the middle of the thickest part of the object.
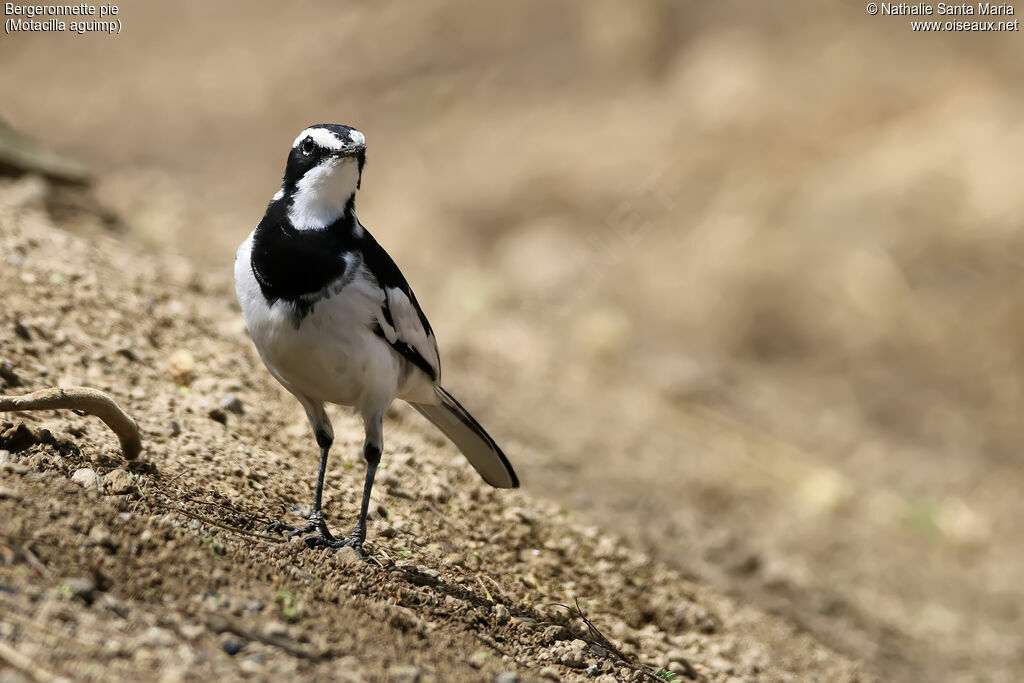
(308, 146)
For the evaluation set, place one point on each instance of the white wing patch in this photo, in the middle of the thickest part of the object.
(406, 328)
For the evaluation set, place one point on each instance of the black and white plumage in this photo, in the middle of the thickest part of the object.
(335, 321)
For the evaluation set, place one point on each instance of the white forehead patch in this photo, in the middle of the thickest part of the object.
(321, 136)
(357, 137)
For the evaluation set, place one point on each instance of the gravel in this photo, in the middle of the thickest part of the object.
(88, 479)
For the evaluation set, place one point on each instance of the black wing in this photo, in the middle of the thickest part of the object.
(401, 321)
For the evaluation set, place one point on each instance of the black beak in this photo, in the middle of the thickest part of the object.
(350, 150)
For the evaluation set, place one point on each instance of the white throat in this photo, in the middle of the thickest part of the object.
(322, 194)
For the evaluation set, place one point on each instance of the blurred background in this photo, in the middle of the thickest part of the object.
(739, 281)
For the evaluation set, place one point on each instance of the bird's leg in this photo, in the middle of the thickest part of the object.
(371, 453)
(324, 439)
(374, 425)
(323, 537)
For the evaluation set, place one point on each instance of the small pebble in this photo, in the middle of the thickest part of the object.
(21, 330)
(81, 588)
(119, 482)
(9, 494)
(275, 629)
(501, 614)
(233, 404)
(218, 415)
(181, 367)
(404, 674)
(191, 631)
(553, 633)
(347, 556)
(431, 574)
(232, 645)
(573, 658)
(8, 374)
(507, 677)
(550, 673)
(88, 479)
(100, 536)
(721, 664)
(13, 468)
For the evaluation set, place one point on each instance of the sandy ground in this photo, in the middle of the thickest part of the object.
(159, 568)
(736, 284)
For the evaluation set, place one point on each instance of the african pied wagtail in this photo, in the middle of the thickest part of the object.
(335, 321)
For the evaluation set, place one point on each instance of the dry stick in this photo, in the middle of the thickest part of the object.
(213, 522)
(440, 514)
(89, 401)
(227, 506)
(221, 625)
(601, 640)
(26, 550)
(487, 593)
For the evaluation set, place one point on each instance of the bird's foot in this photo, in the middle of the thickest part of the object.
(315, 524)
(322, 537)
(355, 541)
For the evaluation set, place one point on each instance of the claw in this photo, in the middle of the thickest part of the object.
(278, 527)
(322, 537)
(314, 524)
(355, 541)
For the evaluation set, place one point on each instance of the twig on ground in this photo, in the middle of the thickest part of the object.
(498, 590)
(88, 400)
(222, 625)
(600, 640)
(493, 644)
(440, 514)
(189, 498)
(30, 556)
(487, 593)
(176, 477)
(213, 522)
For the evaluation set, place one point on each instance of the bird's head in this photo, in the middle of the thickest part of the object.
(324, 170)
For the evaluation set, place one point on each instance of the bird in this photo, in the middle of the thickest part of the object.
(335, 321)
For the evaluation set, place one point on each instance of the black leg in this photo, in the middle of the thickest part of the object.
(325, 447)
(316, 521)
(372, 455)
(316, 524)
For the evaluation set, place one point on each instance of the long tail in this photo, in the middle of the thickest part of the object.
(475, 443)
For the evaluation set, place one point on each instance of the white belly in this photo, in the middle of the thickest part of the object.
(333, 355)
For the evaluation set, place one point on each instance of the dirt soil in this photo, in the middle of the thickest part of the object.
(737, 283)
(159, 568)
